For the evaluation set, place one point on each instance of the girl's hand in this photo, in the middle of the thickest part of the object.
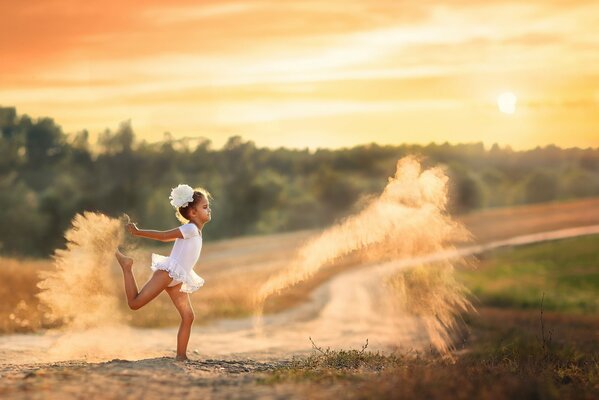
(132, 228)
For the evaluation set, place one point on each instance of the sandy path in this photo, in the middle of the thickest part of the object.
(347, 309)
(342, 313)
(153, 378)
(229, 354)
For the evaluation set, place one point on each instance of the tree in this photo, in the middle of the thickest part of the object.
(541, 186)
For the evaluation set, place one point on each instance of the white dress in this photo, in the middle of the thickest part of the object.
(183, 257)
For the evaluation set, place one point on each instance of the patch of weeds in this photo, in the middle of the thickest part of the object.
(327, 365)
(513, 354)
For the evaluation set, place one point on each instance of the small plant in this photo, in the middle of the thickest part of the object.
(545, 339)
(345, 359)
(330, 365)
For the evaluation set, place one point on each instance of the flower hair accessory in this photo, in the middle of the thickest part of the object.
(181, 196)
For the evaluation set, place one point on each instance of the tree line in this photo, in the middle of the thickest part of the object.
(47, 176)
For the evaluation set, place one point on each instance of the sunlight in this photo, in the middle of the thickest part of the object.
(507, 102)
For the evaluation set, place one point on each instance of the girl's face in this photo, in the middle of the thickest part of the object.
(202, 210)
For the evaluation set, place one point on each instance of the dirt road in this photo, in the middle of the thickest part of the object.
(341, 314)
(229, 354)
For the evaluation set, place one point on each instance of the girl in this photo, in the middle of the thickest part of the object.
(173, 273)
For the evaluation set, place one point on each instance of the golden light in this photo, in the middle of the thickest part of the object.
(507, 102)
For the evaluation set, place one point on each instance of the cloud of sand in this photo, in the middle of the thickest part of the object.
(409, 219)
(99, 343)
(84, 293)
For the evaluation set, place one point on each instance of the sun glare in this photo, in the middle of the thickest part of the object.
(507, 102)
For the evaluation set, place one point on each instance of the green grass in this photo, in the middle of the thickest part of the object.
(566, 271)
(514, 350)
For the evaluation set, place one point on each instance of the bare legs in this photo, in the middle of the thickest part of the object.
(183, 305)
(157, 283)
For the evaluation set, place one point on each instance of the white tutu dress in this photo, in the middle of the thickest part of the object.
(183, 257)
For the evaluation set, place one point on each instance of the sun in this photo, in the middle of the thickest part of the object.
(507, 102)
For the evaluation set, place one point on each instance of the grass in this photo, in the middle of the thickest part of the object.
(506, 358)
(234, 269)
(19, 311)
(535, 337)
(326, 365)
(567, 271)
(509, 353)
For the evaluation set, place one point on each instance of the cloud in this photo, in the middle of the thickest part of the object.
(168, 14)
(104, 61)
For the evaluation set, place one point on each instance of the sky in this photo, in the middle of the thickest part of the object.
(308, 74)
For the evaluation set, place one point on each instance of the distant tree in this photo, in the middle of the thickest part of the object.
(466, 189)
(541, 186)
(46, 176)
(119, 142)
(22, 225)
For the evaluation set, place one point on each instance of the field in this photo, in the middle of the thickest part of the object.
(563, 273)
(245, 263)
(535, 335)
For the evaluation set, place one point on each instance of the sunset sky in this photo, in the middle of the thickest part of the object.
(308, 73)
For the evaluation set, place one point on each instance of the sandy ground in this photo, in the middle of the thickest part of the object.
(148, 378)
(228, 355)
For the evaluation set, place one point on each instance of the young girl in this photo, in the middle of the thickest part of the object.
(173, 273)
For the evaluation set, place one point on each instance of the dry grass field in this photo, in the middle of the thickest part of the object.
(547, 349)
(515, 346)
(235, 268)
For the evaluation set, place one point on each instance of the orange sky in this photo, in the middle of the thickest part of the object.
(308, 73)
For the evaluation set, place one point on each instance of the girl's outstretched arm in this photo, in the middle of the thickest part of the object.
(163, 236)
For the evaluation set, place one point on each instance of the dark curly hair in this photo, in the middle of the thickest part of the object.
(182, 213)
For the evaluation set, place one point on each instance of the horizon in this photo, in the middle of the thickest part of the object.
(93, 137)
(310, 75)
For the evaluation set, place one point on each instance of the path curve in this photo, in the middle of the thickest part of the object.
(341, 313)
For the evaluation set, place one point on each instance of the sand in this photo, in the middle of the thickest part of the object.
(228, 356)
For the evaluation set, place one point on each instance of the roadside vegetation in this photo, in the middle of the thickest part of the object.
(535, 336)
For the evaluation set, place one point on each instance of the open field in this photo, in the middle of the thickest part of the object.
(504, 359)
(234, 269)
(539, 340)
(513, 350)
(510, 349)
(565, 273)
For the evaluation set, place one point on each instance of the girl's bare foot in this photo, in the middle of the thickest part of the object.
(181, 358)
(124, 261)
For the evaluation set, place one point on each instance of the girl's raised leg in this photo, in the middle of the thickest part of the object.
(183, 305)
(157, 283)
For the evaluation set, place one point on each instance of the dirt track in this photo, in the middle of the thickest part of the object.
(341, 314)
(149, 378)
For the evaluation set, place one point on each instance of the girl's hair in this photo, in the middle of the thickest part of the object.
(182, 213)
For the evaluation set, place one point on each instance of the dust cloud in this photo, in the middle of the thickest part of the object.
(409, 219)
(407, 222)
(83, 293)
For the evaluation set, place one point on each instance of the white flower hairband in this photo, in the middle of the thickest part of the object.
(181, 196)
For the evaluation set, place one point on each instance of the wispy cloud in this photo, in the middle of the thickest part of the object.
(347, 64)
(168, 14)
